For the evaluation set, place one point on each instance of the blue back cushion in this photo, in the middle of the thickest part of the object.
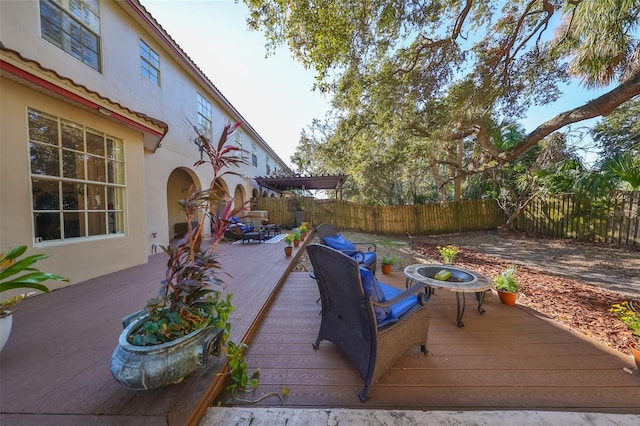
(339, 243)
(372, 289)
(244, 228)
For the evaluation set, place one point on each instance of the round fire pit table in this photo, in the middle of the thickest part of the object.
(461, 281)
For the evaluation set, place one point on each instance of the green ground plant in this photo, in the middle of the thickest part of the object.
(626, 312)
(241, 380)
(448, 253)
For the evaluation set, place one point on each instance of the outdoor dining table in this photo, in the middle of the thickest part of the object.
(462, 281)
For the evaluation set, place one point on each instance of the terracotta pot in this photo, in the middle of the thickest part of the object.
(296, 243)
(636, 353)
(386, 269)
(288, 250)
(507, 298)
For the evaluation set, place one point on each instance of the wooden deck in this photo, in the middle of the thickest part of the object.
(55, 367)
(510, 358)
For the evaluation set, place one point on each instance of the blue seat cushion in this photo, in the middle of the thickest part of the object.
(369, 258)
(381, 292)
(399, 308)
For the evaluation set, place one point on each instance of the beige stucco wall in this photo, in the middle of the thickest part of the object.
(149, 211)
(76, 259)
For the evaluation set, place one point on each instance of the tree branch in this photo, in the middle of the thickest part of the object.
(601, 106)
(457, 29)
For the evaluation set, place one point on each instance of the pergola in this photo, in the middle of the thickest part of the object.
(287, 183)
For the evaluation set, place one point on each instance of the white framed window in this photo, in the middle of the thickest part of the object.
(237, 138)
(77, 180)
(205, 125)
(267, 164)
(254, 154)
(149, 63)
(73, 26)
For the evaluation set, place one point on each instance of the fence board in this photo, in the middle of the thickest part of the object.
(423, 219)
(615, 221)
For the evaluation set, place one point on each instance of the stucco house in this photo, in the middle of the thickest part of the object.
(96, 146)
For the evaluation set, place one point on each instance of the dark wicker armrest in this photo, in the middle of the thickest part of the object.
(415, 289)
(358, 255)
(371, 246)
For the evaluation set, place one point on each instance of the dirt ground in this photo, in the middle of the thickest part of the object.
(570, 281)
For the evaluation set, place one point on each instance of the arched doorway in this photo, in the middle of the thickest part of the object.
(178, 185)
(239, 197)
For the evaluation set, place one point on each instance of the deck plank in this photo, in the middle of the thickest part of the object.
(510, 357)
(56, 363)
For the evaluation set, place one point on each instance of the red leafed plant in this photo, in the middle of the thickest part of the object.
(190, 296)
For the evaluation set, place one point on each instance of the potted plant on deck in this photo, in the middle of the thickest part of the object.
(31, 279)
(304, 229)
(387, 263)
(296, 237)
(288, 239)
(507, 286)
(188, 320)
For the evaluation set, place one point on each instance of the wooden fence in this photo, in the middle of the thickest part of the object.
(616, 220)
(421, 219)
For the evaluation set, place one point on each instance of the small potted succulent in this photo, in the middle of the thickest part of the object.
(507, 286)
(288, 240)
(296, 237)
(387, 262)
(304, 229)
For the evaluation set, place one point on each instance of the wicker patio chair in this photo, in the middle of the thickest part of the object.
(366, 257)
(374, 324)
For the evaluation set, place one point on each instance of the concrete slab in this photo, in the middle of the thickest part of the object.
(254, 416)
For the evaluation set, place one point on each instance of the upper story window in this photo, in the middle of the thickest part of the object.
(237, 137)
(254, 154)
(149, 63)
(73, 26)
(77, 180)
(268, 165)
(205, 125)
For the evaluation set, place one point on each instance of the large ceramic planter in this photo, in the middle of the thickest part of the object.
(507, 298)
(149, 367)
(6, 321)
(635, 351)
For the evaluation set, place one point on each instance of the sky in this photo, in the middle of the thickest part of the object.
(274, 94)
